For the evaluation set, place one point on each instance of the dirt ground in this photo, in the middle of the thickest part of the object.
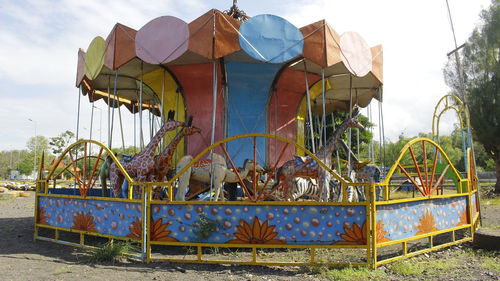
(23, 259)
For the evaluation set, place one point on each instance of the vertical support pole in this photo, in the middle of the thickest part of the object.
(141, 135)
(309, 112)
(368, 223)
(199, 254)
(373, 230)
(147, 211)
(35, 232)
(214, 115)
(115, 100)
(324, 192)
(254, 255)
(336, 151)
(405, 248)
(82, 239)
(349, 132)
(469, 207)
(464, 149)
(56, 236)
(145, 225)
(91, 119)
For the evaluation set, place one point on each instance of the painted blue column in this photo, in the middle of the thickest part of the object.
(248, 93)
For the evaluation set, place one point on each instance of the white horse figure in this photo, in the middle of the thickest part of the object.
(213, 171)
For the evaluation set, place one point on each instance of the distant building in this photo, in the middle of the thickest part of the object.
(16, 175)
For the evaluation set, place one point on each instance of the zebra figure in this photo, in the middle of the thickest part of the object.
(305, 186)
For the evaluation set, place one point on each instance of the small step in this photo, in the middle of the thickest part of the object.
(488, 239)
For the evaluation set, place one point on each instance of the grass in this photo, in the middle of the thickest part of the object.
(110, 252)
(355, 273)
(5, 198)
(491, 201)
(407, 268)
(61, 271)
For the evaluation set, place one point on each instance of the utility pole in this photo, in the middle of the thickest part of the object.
(36, 144)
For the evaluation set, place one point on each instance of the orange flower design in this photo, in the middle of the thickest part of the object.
(83, 222)
(135, 229)
(381, 233)
(257, 233)
(464, 218)
(354, 235)
(427, 223)
(158, 232)
(41, 216)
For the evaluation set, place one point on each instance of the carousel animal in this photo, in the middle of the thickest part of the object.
(104, 175)
(363, 172)
(211, 171)
(163, 161)
(141, 166)
(305, 186)
(307, 167)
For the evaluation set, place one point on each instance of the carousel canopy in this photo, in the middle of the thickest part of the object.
(166, 41)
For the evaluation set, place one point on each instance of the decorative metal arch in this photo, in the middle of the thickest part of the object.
(84, 183)
(446, 103)
(425, 167)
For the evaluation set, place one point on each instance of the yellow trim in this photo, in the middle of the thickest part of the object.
(256, 263)
(86, 232)
(265, 203)
(420, 199)
(90, 198)
(423, 251)
(392, 242)
(270, 246)
(314, 91)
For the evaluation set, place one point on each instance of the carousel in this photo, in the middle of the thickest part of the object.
(238, 122)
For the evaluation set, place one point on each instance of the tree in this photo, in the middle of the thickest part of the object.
(38, 145)
(481, 69)
(59, 143)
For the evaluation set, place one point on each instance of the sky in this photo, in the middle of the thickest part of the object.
(40, 41)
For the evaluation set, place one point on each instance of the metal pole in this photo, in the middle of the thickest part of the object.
(214, 110)
(115, 100)
(308, 100)
(91, 120)
(350, 130)
(459, 68)
(141, 137)
(36, 144)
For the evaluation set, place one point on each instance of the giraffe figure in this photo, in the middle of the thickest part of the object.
(307, 167)
(163, 161)
(141, 165)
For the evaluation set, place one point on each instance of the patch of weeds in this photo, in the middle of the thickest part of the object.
(356, 273)
(408, 268)
(111, 252)
(491, 263)
(317, 269)
(492, 202)
(5, 198)
(204, 228)
(214, 251)
(61, 271)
